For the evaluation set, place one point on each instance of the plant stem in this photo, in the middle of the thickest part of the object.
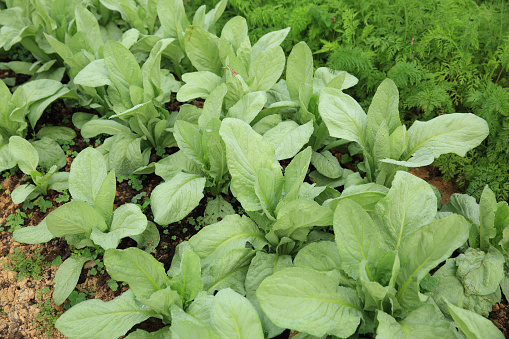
(30, 44)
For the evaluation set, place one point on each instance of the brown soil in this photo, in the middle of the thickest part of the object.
(433, 176)
(500, 316)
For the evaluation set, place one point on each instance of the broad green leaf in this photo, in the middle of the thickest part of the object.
(144, 274)
(262, 266)
(233, 232)
(103, 201)
(398, 140)
(88, 170)
(269, 40)
(296, 218)
(96, 319)
(410, 204)
(94, 127)
(383, 109)
(248, 107)
(473, 325)
(327, 164)
(235, 31)
(162, 301)
(326, 77)
(202, 48)
(172, 15)
(464, 205)
(216, 210)
(188, 280)
(128, 220)
(198, 85)
(228, 270)
(189, 140)
(422, 157)
(184, 329)
(67, 277)
(322, 256)
(448, 133)
(487, 209)
(424, 322)
(122, 67)
(366, 195)
(480, 272)
(75, 217)
(50, 153)
(56, 132)
(425, 249)
(125, 154)
(86, 22)
(59, 181)
(212, 107)
(266, 68)
(246, 152)
(299, 69)
(24, 153)
(295, 173)
(234, 316)
(288, 137)
(261, 127)
(343, 116)
(357, 238)
(309, 301)
(174, 199)
(149, 239)
(482, 304)
(95, 74)
(449, 287)
(215, 151)
(33, 234)
(20, 193)
(268, 188)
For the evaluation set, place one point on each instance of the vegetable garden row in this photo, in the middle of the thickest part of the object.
(293, 240)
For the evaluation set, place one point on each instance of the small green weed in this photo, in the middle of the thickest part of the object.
(63, 196)
(43, 204)
(113, 285)
(16, 221)
(197, 222)
(26, 265)
(76, 297)
(47, 316)
(99, 269)
(66, 145)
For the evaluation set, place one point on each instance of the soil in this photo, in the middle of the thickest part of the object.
(22, 298)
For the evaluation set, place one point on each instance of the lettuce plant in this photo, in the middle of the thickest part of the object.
(368, 280)
(239, 251)
(43, 155)
(89, 220)
(27, 102)
(176, 297)
(28, 22)
(137, 96)
(473, 280)
(386, 144)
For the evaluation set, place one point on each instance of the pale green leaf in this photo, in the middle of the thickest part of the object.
(174, 199)
(234, 316)
(67, 277)
(96, 319)
(144, 274)
(309, 301)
